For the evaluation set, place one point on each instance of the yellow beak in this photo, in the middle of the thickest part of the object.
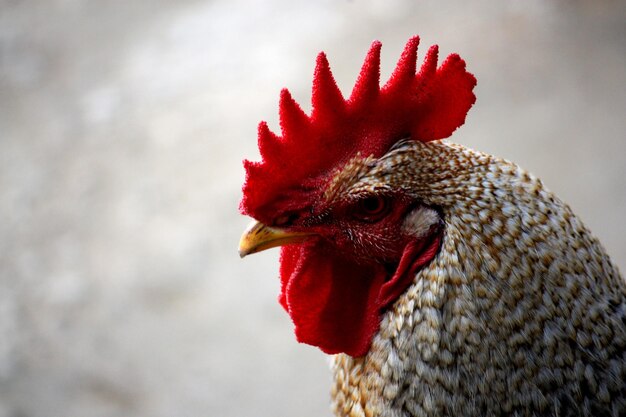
(259, 237)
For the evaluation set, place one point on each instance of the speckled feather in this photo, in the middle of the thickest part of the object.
(521, 313)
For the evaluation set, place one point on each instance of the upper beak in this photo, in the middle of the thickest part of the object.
(259, 237)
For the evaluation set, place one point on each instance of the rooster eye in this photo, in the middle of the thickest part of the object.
(371, 208)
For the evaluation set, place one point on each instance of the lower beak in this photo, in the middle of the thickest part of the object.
(259, 237)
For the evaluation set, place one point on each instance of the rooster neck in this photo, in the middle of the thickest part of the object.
(514, 306)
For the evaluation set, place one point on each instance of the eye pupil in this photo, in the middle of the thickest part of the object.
(372, 204)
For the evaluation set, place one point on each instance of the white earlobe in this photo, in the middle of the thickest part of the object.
(419, 221)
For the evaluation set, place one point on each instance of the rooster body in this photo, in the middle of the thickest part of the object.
(445, 281)
(521, 313)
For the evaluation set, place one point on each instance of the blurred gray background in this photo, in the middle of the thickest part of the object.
(122, 129)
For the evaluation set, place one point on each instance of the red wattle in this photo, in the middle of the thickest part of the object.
(416, 254)
(332, 302)
(336, 304)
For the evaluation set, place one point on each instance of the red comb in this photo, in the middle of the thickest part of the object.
(427, 106)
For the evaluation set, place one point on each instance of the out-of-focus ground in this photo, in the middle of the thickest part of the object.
(122, 128)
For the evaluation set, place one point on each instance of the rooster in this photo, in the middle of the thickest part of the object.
(444, 281)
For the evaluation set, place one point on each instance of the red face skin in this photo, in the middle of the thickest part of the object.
(361, 258)
(367, 230)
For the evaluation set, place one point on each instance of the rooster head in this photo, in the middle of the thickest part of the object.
(352, 235)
